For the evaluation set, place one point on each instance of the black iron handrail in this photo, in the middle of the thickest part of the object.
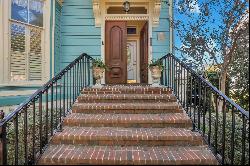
(223, 123)
(26, 131)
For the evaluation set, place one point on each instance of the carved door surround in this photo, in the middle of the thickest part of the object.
(100, 8)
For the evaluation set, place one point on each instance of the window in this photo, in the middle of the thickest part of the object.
(131, 30)
(26, 29)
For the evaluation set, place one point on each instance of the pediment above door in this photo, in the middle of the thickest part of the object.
(153, 8)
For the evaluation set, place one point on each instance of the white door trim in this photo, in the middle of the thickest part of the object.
(150, 17)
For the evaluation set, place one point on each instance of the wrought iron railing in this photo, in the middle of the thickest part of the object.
(25, 133)
(223, 124)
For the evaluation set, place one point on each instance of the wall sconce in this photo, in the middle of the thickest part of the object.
(126, 6)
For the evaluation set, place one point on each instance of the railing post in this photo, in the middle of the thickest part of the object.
(3, 146)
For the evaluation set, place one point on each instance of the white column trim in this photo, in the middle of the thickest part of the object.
(1, 43)
(171, 31)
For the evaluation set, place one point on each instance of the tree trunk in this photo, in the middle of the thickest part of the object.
(222, 83)
(223, 78)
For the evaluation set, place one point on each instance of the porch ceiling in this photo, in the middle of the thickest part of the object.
(153, 6)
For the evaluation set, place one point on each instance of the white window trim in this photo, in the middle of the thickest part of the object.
(5, 17)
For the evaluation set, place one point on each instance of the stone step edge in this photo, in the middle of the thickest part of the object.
(72, 133)
(88, 97)
(82, 117)
(131, 155)
(127, 106)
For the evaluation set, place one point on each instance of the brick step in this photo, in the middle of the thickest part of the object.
(128, 120)
(127, 136)
(125, 108)
(132, 155)
(125, 98)
(128, 90)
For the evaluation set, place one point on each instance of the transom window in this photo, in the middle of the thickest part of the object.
(26, 41)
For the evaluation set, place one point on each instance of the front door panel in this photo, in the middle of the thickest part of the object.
(116, 52)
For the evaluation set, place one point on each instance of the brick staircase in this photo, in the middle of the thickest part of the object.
(125, 125)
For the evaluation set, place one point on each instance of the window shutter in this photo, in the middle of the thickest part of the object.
(18, 53)
(26, 53)
(35, 55)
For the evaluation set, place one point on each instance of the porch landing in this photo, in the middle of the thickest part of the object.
(127, 125)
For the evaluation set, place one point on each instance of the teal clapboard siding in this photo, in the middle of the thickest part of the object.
(161, 48)
(57, 38)
(78, 32)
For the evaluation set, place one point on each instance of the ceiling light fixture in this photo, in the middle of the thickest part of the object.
(126, 6)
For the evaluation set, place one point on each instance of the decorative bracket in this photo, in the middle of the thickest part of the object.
(97, 12)
(156, 12)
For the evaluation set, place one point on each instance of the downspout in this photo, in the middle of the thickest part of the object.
(171, 31)
(51, 39)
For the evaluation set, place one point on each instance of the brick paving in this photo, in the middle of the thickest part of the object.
(127, 125)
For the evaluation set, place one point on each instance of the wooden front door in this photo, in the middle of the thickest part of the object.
(144, 54)
(116, 52)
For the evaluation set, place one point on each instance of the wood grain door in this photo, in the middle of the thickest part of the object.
(144, 54)
(116, 52)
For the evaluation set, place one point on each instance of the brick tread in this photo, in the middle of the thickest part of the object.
(127, 89)
(114, 135)
(127, 125)
(127, 106)
(80, 119)
(126, 98)
(131, 155)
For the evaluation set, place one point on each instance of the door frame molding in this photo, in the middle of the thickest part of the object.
(150, 17)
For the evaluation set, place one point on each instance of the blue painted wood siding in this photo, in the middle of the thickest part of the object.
(161, 48)
(57, 38)
(78, 32)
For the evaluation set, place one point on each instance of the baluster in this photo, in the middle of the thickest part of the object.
(64, 95)
(216, 123)
(73, 85)
(56, 116)
(47, 115)
(223, 131)
(25, 135)
(243, 140)
(181, 90)
(195, 99)
(67, 90)
(16, 139)
(185, 90)
(204, 110)
(3, 141)
(60, 103)
(34, 130)
(232, 137)
(70, 87)
(209, 111)
(40, 122)
(199, 105)
(88, 63)
(52, 111)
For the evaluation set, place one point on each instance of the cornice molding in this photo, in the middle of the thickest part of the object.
(133, 18)
(155, 13)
